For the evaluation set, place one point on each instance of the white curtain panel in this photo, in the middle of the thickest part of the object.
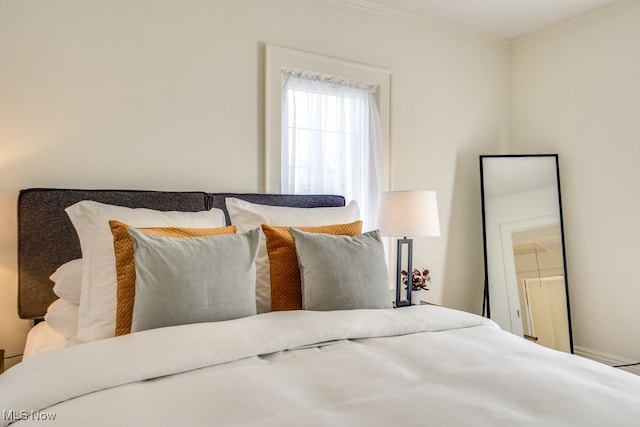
(331, 139)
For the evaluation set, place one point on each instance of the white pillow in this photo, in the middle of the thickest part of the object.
(247, 216)
(67, 281)
(99, 281)
(62, 317)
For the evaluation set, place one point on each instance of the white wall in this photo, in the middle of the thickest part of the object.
(576, 91)
(166, 95)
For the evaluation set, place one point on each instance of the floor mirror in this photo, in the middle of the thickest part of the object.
(526, 288)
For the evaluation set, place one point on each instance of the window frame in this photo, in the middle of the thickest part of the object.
(278, 58)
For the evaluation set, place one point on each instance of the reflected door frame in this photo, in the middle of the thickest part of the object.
(556, 336)
(509, 262)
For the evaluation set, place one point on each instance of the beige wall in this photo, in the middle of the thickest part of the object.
(576, 91)
(169, 95)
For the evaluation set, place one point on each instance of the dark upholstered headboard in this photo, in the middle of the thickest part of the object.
(47, 239)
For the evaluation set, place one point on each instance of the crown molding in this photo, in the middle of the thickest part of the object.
(575, 22)
(421, 20)
(459, 30)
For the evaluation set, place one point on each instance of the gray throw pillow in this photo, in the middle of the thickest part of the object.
(193, 279)
(342, 272)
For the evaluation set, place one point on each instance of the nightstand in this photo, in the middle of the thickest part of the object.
(428, 303)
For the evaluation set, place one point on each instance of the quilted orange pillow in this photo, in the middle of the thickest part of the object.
(125, 265)
(286, 293)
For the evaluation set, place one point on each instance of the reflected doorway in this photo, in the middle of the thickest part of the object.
(537, 254)
(544, 317)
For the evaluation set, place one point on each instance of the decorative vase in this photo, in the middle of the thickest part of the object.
(415, 297)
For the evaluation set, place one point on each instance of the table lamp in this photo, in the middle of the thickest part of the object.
(407, 213)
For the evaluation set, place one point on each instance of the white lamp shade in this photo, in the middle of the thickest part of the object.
(408, 214)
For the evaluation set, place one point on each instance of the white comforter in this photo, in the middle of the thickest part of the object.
(414, 366)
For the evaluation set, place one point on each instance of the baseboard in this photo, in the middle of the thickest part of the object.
(607, 359)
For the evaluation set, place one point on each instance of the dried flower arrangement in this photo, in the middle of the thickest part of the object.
(420, 280)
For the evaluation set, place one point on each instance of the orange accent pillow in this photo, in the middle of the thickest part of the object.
(126, 269)
(286, 293)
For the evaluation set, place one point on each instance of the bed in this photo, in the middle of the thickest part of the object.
(328, 364)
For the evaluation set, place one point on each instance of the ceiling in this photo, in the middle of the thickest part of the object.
(506, 19)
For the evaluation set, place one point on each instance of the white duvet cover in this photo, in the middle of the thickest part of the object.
(415, 366)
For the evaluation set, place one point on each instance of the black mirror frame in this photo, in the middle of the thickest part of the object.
(486, 303)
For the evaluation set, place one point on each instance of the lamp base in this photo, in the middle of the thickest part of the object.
(399, 301)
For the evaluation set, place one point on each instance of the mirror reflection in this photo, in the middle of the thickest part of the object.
(525, 283)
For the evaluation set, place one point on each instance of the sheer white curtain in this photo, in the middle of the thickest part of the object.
(331, 139)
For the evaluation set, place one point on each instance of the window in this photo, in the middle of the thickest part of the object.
(331, 138)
